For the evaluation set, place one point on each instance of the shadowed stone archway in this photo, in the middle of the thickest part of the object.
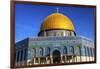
(56, 57)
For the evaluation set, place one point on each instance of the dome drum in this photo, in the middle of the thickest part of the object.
(57, 32)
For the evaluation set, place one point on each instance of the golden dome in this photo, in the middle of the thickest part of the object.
(57, 21)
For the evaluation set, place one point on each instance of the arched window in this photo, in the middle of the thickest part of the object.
(92, 51)
(91, 54)
(41, 51)
(62, 33)
(65, 50)
(34, 51)
(55, 34)
(77, 50)
(84, 51)
(68, 33)
(21, 56)
(47, 51)
(71, 49)
(25, 53)
(88, 52)
(18, 56)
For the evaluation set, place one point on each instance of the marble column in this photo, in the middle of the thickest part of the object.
(44, 51)
(61, 59)
(39, 60)
(51, 59)
(19, 62)
(73, 59)
(16, 58)
(23, 57)
(65, 59)
(46, 60)
(34, 59)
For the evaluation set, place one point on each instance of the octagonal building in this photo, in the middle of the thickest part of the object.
(57, 42)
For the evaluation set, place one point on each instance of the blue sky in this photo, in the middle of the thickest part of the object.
(28, 19)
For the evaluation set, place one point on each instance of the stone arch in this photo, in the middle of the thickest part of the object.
(34, 51)
(88, 51)
(47, 51)
(64, 50)
(91, 53)
(71, 50)
(85, 52)
(41, 51)
(56, 56)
